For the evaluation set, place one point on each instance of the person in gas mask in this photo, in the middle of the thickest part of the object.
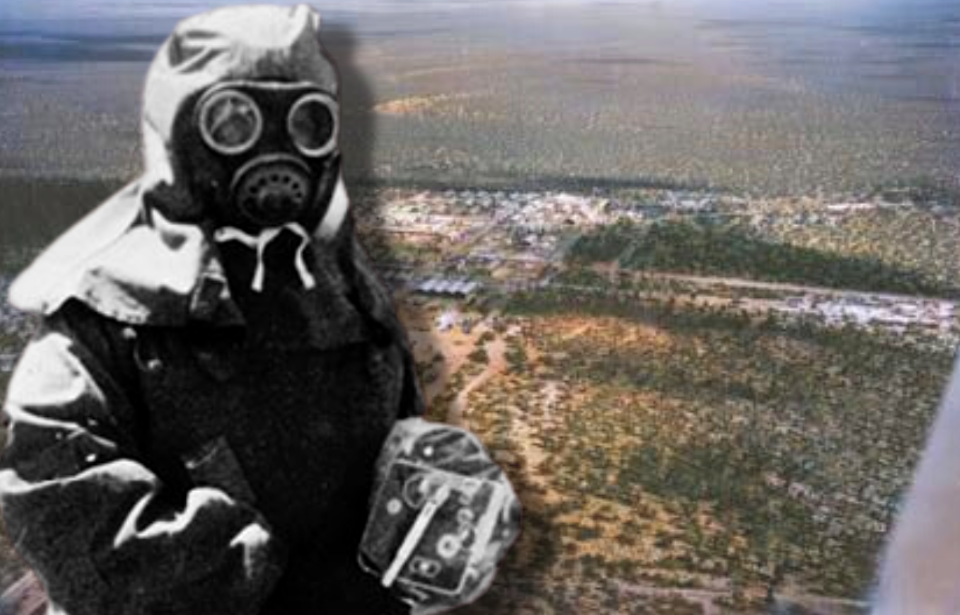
(194, 427)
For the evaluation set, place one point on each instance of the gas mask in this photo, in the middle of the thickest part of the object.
(263, 158)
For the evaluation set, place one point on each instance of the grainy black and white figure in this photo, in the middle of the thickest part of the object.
(194, 428)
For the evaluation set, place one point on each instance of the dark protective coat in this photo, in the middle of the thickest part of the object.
(178, 443)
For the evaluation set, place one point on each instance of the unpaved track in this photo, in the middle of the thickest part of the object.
(496, 363)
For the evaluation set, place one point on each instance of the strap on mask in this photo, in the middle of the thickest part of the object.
(260, 242)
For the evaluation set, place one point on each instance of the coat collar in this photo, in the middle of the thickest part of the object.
(131, 264)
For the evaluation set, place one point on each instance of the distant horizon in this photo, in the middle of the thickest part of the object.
(55, 10)
(783, 96)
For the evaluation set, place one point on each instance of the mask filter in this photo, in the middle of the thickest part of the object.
(272, 192)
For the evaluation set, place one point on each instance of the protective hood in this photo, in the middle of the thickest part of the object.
(126, 259)
(247, 43)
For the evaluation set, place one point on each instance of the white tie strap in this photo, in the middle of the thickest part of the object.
(260, 242)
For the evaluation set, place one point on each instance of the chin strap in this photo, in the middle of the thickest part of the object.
(260, 241)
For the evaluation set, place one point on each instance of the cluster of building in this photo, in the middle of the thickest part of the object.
(512, 239)
(447, 287)
(902, 315)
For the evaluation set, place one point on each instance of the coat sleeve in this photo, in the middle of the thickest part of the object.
(84, 509)
(377, 304)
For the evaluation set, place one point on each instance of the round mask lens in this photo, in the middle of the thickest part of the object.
(230, 122)
(313, 124)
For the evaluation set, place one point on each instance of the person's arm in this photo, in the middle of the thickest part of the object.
(376, 301)
(101, 529)
(921, 566)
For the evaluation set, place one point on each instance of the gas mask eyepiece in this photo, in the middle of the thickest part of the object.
(312, 124)
(230, 122)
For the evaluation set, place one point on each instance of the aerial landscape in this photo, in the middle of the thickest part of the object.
(689, 269)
